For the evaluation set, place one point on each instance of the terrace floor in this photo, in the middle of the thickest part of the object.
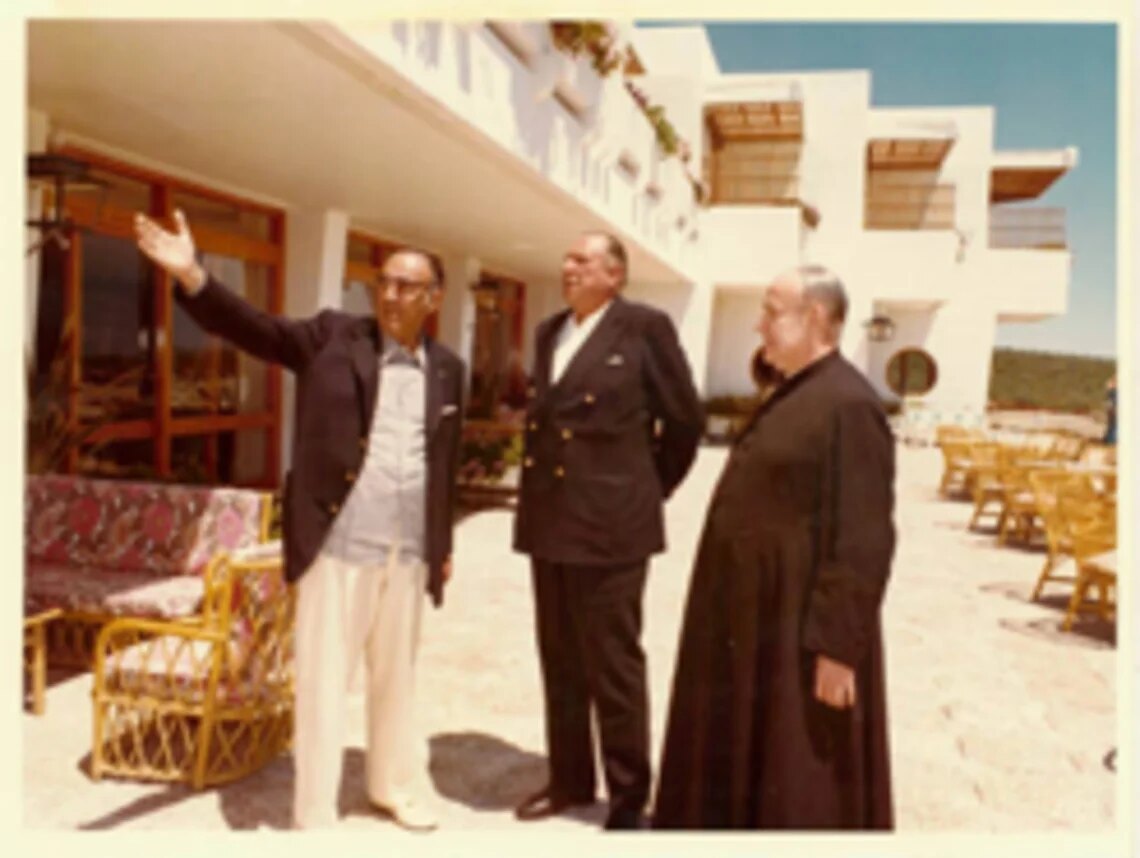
(1000, 722)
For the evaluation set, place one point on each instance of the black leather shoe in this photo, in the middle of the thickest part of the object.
(548, 802)
(621, 819)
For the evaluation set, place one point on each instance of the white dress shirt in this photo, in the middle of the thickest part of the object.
(570, 338)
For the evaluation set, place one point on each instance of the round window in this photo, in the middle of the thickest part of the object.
(911, 371)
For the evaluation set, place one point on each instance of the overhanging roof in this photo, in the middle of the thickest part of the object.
(1027, 174)
(905, 151)
(756, 120)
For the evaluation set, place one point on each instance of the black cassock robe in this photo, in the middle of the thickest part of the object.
(793, 561)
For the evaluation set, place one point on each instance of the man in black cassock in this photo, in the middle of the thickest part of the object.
(778, 714)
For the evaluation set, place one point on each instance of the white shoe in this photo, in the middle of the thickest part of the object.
(409, 814)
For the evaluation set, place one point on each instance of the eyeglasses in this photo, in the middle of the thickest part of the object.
(404, 287)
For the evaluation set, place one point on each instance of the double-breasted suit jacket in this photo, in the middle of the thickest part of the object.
(335, 358)
(608, 442)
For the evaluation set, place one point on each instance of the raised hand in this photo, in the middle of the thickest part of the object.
(171, 251)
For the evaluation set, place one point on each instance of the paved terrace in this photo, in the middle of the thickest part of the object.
(1000, 722)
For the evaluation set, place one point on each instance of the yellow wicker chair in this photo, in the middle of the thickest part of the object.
(1094, 544)
(1019, 516)
(1095, 453)
(951, 432)
(984, 480)
(957, 464)
(1067, 448)
(1049, 488)
(203, 701)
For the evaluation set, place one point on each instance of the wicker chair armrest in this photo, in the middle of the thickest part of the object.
(153, 641)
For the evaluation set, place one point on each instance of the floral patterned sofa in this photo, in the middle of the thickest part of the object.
(101, 549)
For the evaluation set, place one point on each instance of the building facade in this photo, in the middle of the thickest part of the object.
(302, 152)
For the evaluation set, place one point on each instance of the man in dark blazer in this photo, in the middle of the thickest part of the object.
(367, 506)
(612, 429)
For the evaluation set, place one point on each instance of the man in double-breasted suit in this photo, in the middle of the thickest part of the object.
(367, 507)
(612, 428)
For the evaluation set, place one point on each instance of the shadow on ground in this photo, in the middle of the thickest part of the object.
(1087, 632)
(484, 772)
(477, 770)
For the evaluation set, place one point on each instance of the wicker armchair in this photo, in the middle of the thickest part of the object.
(205, 700)
(1049, 488)
(1094, 550)
(1019, 515)
(957, 466)
(985, 483)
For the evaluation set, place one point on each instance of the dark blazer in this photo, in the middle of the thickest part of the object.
(607, 443)
(335, 357)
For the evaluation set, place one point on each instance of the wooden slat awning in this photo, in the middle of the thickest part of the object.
(1021, 183)
(907, 153)
(756, 120)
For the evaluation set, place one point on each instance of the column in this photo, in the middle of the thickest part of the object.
(316, 243)
(457, 314)
(36, 142)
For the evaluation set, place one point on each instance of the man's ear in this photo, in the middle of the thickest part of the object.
(818, 314)
(435, 299)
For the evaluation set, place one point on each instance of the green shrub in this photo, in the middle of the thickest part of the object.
(1048, 381)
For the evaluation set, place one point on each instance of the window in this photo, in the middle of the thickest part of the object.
(911, 371)
(151, 395)
(497, 376)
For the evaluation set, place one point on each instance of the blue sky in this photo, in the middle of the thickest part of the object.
(1052, 85)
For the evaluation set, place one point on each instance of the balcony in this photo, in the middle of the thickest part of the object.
(914, 267)
(754, 151)
(1037, 228)
(908, 200)
(583, 133)
(1030, 262)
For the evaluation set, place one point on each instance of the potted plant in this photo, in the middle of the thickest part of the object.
(592, 39)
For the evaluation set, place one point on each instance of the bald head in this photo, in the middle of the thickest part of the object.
(803, 315)
(815, 284)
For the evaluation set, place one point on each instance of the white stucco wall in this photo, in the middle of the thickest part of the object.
(735, 313)
(749, 244)
(684, 50)
(960, 338)
(690, 306)
(1029, 284)
(832, 174)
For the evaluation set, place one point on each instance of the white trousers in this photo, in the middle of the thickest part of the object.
(347, 614)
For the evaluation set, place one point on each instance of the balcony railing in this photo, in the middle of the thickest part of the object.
(895, 200)
(552, 110)
(1025, 228)
(755, 172)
